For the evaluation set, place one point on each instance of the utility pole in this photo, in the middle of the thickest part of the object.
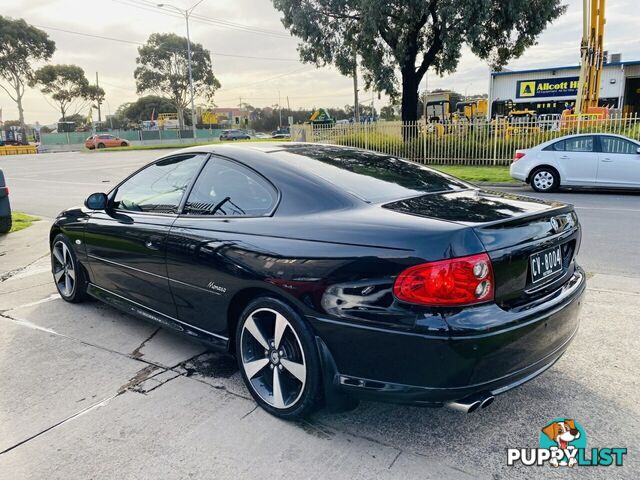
(98, 102)
(187, 13)
(279, 110)
(356, 108)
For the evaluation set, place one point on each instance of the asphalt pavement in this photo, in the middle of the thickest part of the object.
(45, 184)
(88, 392)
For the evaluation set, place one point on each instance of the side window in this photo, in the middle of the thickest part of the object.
(225, 188)
(159, 187)
(579, 144)
(618, 145)
(557, 147)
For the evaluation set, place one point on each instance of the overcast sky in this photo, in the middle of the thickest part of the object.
(258, 81)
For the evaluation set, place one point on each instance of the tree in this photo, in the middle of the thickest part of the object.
(65, 83)
(20, 45)
(388, 112)
(79, 119)
(95, 94)
(163, 70)
(144, 107)
(411, 36)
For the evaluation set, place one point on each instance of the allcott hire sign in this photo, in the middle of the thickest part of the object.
(552, 87)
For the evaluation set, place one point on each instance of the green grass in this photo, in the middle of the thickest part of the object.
(163, 146)
(477, 173)
(20, 221)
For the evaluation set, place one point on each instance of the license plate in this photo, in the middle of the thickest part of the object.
(545, 263)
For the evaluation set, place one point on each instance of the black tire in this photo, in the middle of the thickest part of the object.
(101, 145)
(297, 346)
(5, 224)
(78, 292)
(544, 180)
(124, 144)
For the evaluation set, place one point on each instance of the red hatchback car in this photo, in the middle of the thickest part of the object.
(104, 141)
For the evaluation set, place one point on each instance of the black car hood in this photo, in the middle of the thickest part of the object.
(472, 207)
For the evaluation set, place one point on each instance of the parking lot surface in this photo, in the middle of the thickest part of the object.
(88, 392)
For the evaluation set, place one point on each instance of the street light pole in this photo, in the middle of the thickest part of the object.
(187, 13)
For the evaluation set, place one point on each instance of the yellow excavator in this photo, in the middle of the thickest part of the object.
(591, 60)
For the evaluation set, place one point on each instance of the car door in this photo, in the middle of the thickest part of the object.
(206, 247)
(619, 162)
(577, 160)
(126, 244)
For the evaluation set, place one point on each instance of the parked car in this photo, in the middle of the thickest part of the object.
(281, 133)
(585, 160)
(333, 273)
(103, 140)
(5, 206)
(262, 135)
(234, 135)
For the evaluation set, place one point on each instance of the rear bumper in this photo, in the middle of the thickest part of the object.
(518, 171)
(431, 371)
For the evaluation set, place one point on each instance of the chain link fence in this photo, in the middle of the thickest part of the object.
(478, 142)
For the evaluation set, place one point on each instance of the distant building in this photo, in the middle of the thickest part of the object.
(550, 90)
(224, 116)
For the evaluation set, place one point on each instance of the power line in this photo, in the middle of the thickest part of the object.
(151, 7)
(88, 35)
(220, 21)
(293, 72)
(132, 42)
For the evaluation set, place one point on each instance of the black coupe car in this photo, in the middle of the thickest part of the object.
(333, 273)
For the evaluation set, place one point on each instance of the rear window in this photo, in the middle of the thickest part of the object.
(370, 176)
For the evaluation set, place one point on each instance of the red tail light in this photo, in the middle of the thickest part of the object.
(455, 282)
(4, 190)
(518, 156)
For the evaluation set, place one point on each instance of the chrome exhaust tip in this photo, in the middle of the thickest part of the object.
(472, 403)
(487, 401)
(464, 406)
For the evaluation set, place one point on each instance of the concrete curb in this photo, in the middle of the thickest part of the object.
(501, 184)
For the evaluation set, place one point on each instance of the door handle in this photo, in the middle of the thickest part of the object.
(564, 157)
(606, 160)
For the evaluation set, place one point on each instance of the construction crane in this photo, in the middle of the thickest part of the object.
(591, 60)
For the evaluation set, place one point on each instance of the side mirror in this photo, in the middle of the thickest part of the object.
(97, 201)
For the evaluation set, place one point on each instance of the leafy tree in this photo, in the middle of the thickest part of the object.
(388, 112)
(20, 45)
(142, 108)
(411, 36)
(65, 83)
(79, 119)
(163, 70)
(95, 94)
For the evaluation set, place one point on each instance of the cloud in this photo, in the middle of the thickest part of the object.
(260, 82)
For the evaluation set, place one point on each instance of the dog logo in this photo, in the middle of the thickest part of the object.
(563, 443)
(563, 434)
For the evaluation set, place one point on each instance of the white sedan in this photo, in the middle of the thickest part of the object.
(585, 160)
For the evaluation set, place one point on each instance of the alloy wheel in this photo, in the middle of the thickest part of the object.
(64, 272)
(543, 180)
(273, 358)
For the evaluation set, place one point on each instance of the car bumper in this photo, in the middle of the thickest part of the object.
(516, 171)
(404, 367)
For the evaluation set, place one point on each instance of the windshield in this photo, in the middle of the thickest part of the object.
(371, 176)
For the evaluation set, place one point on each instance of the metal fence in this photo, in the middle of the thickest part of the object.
(134, 136)
(480, 142)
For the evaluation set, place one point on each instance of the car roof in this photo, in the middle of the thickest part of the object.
(577, 135)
